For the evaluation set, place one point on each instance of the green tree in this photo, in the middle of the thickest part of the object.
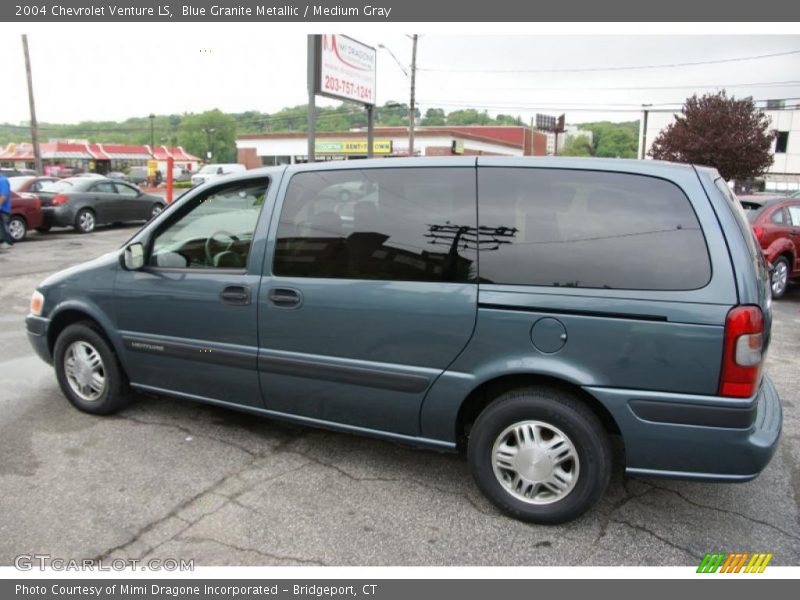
(434, 117)
(614, 140)
(212, 130)
(469, 116)
(577, 146)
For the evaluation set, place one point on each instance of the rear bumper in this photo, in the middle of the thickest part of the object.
(58, 216)
(696, 437)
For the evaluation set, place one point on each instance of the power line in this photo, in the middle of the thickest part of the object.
(654, 87)
(625, 68)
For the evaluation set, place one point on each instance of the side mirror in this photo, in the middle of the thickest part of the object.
(133, 257)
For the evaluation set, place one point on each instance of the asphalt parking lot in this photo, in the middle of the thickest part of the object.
(171, 479)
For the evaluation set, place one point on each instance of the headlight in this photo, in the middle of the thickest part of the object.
(37, 303)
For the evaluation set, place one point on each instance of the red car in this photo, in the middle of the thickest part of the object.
(30, 183)
(776, 223)
(26, 213)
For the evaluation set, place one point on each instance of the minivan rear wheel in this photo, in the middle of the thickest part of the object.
(780, 277)
(88, 371)
(540, 455)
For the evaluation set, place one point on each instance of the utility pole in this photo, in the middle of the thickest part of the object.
(152, 118)
(37, 153)
(411, 108)
(645, 110)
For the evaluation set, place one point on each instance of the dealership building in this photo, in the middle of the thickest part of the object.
(784, 173)
(268, 149)
(95, 158)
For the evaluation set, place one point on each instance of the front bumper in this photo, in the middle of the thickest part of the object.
(37, 335)
(693, 446)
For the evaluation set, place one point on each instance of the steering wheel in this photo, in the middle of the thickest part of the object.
(232, 239)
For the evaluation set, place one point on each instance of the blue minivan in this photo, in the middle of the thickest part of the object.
(524, 310)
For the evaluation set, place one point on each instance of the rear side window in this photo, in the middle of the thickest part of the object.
(741, 218)
(588, 229)
(389, 224)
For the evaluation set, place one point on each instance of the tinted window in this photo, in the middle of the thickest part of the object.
(741, 218)
(391, 224)
(588, 229)
(214, 230)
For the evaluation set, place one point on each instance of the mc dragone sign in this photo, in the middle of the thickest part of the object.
(734, 562)
(347, 69)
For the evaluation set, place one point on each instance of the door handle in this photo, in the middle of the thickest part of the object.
(285, 298)
(236, 294)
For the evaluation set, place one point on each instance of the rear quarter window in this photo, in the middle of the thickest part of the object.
(742, 219)
(588, 229)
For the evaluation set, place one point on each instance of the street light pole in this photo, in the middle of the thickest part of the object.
(210, 151)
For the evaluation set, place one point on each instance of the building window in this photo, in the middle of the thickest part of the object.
(781, 142)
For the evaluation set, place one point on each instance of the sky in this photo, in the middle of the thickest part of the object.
(113, 72)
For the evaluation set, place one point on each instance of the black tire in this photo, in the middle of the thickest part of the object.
(44, 228)
(156, 210)
(778, 290)
(18, 228)
(553, 408)
(115, 392)
(85, 221)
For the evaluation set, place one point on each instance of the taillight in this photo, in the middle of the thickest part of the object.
(743, 357)
(60, 199)
(759, 231)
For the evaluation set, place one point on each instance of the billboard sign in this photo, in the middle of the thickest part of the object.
(346, 69)
(351, 146)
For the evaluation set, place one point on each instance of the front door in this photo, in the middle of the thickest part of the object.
(188, 318)
(369, 292)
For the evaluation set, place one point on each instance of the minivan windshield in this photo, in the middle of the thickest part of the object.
(210, 169)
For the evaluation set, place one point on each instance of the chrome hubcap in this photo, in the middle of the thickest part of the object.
(85, 371)
(156, 211)
(535, 462)
(86, 221)
(780, 276)
(16, 229)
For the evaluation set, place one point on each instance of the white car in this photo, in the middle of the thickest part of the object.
(215, 171)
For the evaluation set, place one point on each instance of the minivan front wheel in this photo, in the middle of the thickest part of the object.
(540, 455)
(88, 372)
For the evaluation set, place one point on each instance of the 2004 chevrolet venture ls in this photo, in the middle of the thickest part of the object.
(525, 310)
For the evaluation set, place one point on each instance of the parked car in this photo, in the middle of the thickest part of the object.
(14, 172)
(26, 214)
(118, 175)
(585, 299)
(137, 175)
(29, 183)
(776, 224)
(215, 171)
(85, 202)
